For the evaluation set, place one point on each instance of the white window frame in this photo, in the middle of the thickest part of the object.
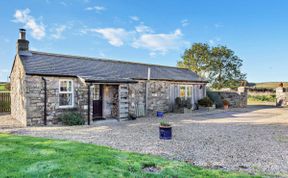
(66, 92)
(187, 87)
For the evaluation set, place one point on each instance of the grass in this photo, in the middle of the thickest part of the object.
(2, 87)
(23, 156)
(261, 98)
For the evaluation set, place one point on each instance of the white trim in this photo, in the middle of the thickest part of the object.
(66, 92)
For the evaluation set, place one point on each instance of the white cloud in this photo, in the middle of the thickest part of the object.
(143, 29)
(160, 43)
(184, 22)
(58, 31)
(115, 36)
(38, 29)
(98, 9)
(135, 18)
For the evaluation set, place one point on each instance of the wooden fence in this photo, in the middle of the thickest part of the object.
(5, 102)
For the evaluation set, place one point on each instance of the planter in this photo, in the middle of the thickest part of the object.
(226, 107)
(165, 132)
(160, 114)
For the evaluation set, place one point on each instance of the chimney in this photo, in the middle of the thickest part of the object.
(22, 43)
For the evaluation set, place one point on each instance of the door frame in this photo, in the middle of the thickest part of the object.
(98, 116)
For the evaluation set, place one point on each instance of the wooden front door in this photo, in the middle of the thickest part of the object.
(98, 102)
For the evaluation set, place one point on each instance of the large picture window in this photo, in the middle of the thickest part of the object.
(65, 93)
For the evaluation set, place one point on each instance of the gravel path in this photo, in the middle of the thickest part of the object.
(253, 140)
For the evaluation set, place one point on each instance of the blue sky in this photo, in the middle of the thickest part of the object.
(151, 31)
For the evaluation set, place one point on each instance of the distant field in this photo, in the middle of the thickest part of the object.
(2, 87)
(270, 84)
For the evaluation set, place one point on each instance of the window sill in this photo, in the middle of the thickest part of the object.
(66, 107)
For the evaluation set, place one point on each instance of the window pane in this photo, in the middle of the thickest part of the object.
(63, 85)
(182, 91)
(69, 86)
(189, 91)
(65, 99)
(96, 92)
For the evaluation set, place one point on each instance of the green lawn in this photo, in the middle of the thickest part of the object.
(23, 156)
(2, 87)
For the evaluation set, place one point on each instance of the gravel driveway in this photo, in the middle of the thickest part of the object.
(253, 140)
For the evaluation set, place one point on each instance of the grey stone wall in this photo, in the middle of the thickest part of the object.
(281, 96)
(35, 99)
(237, 99)
(18, 91)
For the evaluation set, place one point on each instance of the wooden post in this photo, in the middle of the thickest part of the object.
(147, 90)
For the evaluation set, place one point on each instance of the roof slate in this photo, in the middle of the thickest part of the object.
(40, 63)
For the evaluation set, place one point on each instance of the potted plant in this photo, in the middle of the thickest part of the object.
(226, 104)
(165, 130)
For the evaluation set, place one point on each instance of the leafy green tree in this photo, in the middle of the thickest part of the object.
(217, 64)
(196, 58)
(225, 68)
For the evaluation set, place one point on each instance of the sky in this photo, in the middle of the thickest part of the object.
(151, 31)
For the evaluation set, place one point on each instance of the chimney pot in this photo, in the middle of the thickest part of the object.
(22, 43)
(22, 34)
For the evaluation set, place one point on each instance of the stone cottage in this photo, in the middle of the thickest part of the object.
(45, 85)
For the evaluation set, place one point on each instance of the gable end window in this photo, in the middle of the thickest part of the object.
(66, 94)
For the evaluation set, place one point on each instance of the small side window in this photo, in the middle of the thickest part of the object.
(66, 94)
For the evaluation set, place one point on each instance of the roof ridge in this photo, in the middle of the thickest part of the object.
(102, 59)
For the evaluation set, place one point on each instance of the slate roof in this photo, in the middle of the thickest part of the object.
(93, 69)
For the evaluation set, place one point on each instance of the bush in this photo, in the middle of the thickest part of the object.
(5, 105)
(72, 118)
(165, 124)
(216, 98)
(205, 102)
(178, 102)
(188, 103)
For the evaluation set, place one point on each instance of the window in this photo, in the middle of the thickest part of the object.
(185, 91)
(182, 91)
(66, 93)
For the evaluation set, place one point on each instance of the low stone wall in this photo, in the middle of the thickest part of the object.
(237, 99)
(281, 96)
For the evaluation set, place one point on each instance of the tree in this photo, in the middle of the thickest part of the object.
(225, 68)
(196, 58)
(218, 64)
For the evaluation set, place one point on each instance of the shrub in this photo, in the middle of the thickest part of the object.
(72, 118)
(216, 98)
(188, 103)
(262, 98)
(178, 102)
(205, 102)
(165, 124)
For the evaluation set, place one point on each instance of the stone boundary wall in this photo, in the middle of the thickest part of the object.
(256, 93)
(237, 99)
(281, 96)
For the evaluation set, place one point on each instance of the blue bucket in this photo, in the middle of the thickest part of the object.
(160, 114)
